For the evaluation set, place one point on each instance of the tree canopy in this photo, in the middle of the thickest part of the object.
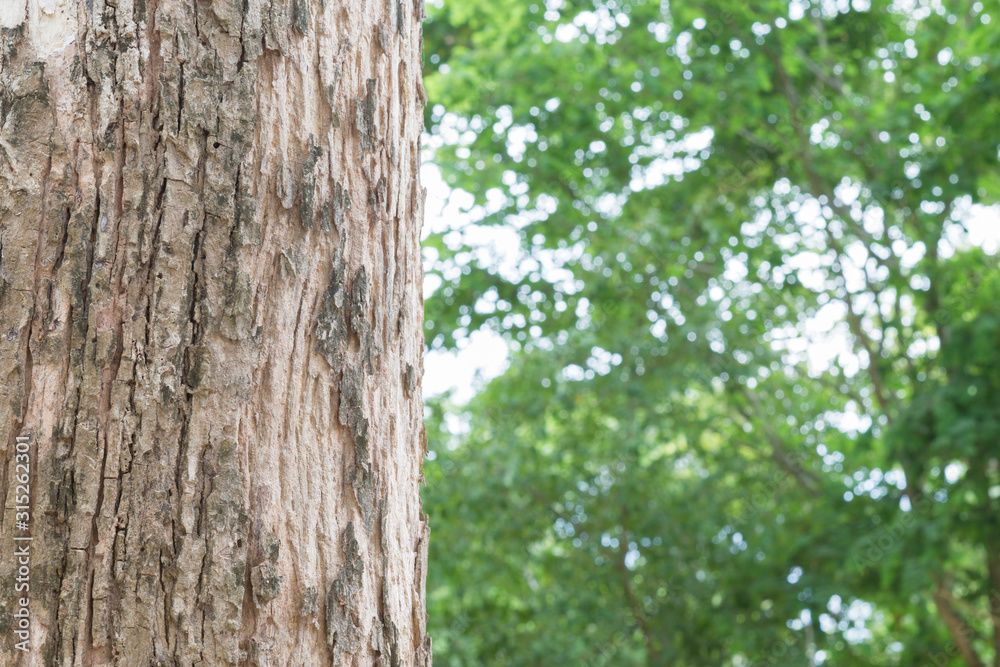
(752, 413)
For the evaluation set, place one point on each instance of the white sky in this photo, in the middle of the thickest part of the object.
(485, 356)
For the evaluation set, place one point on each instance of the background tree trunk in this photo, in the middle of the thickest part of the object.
(210, 327)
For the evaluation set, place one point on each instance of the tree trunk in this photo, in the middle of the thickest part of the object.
(210, 332)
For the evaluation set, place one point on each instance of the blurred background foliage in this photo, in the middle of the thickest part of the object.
(752, 409)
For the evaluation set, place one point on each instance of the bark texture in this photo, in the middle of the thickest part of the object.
(210, 324)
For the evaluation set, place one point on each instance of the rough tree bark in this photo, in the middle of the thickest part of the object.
(210, 330)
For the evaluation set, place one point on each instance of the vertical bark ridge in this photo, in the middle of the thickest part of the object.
(210, 322)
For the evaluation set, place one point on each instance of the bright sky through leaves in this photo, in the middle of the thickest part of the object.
(741, 258)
